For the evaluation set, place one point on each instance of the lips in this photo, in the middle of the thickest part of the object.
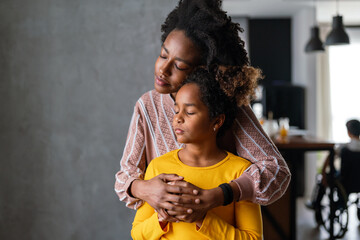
(179, 131)
(161, 82)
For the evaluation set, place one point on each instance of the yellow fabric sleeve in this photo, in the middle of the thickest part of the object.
(146, 224)
(240, 220)
(248, 224)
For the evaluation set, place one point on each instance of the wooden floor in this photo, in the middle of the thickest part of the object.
(306, 225)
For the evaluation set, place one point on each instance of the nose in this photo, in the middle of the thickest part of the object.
(178, 118)
(165, 68)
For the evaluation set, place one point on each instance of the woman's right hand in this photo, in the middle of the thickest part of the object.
(160, 195)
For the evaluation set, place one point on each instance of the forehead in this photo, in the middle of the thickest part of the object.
(177, 43)
(189, 93)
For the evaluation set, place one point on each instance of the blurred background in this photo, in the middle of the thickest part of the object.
(71, 72)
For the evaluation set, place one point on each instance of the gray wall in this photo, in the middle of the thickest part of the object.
(70, 73)
(304, 74)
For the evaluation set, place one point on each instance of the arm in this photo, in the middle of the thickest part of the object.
(267, 179)
(248, 224)
(146, 224)
(133, 162)
(326, 164)
(129, 184)
(148, 228)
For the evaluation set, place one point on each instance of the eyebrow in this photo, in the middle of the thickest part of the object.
(177, 58)
(187, 104)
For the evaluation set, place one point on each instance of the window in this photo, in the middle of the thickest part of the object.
(344, 63)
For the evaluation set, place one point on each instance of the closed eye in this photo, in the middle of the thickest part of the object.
(181, 69)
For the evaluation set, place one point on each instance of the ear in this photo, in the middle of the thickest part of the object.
(219, 121)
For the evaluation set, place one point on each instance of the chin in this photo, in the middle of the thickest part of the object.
(183, 141)
(161, 89)
(178, 139)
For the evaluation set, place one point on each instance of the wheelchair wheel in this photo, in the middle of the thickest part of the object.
(322, 210)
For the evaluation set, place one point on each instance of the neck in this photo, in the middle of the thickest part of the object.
(353, 137)
(201, 155)
(173, 95)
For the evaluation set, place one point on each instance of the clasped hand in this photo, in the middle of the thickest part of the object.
(177, 200)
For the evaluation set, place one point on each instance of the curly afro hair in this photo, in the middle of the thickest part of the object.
(208, 26)
(213, 97)
(223, 89)
(238, 83)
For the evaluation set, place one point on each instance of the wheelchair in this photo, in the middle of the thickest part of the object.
(346, 182)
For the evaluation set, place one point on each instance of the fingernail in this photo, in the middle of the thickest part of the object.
(195, 192)
(189, 211)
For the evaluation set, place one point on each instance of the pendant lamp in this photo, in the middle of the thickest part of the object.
(314, 44)
(337, 36)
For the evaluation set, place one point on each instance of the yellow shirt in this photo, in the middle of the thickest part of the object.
(240, 220)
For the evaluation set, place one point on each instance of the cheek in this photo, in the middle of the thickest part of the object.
(202, 126)
(157, 64)
(179, 77)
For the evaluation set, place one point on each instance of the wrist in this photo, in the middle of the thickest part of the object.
(228, 193)
(135, 189)
(236, 191)
(217, 197)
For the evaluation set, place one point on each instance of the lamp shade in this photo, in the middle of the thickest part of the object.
(337, 36)
(314, 44)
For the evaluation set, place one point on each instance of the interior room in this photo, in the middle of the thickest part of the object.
(71, 72)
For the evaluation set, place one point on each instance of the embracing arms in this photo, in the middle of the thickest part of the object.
(145, 141)
(240, 220)
(267, 179)
(264, 182)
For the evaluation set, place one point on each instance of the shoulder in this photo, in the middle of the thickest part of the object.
(167, 163)
(146, 101)
(165, 159)
(148, 96)
(241, 163)
(353, 145)
(339, 148)
(245, 117)
(153, 99)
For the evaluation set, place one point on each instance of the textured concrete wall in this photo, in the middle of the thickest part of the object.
(70, 73)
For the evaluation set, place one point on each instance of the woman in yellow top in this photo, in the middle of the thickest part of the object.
(205, 107)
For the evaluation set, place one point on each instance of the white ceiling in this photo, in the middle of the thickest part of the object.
(325, 10)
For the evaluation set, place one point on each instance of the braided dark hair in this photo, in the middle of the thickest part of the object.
(208, 26)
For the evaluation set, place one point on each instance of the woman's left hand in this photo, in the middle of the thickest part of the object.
(205, 200)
